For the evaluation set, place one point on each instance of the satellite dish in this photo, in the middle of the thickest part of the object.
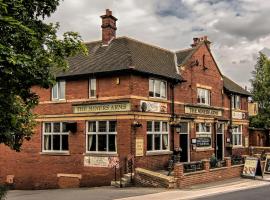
(144, 106)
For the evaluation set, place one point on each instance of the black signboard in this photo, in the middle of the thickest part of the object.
(203, 141)
(267, 165)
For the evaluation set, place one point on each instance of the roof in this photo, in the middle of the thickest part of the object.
(184, 55)
(234, 87)
(123, 54)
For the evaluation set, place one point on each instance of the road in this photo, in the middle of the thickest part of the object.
(260, 193)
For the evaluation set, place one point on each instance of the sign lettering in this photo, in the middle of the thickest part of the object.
(202, 111)
(108, 107)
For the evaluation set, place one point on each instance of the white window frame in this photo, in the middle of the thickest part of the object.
(52, 133)
(56, 87)
(236, 102)
(154, 88)
(237, 130)
(107, 133)
(206, 93)
(90, 87)
(161, 133)
(202, 133)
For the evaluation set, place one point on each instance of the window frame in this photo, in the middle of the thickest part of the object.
(52, 133)
(107, 133)
(154, 88)
(204, 133)
(207, 97)
(57, 86)
(240, 134)
(160, 133)
(90, 85)
(236, 102)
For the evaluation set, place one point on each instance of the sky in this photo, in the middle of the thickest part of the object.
(238, 29)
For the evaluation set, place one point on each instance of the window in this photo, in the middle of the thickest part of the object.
(203, 130)
(203, 96)
(237, 135)
(55, 137)
(157, 88)
(236, 102)
(157, 136)
(59, 90)
(101, 136)
(92, 87)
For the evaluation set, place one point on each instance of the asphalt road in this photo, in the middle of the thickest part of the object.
(259, 193)
(98, 193)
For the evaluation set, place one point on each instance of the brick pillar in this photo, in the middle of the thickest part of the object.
(228, 161)
(206, 164)
(178, 173)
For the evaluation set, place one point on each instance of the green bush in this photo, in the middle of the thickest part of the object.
(3, 192)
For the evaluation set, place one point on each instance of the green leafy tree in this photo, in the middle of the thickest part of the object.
(30, 54)
(261, 92)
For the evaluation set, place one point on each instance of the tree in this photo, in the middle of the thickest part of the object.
(30, 54)
(261, 92)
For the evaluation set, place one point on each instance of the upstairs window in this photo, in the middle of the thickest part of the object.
(157, 88)
(203, 96)
(92, 88)
(59, 90)
(236, 102)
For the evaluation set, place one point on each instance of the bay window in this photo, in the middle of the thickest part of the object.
(157, 88)
(237, 135)
(55, 137)
(101, 136)
(203, 96)
(157, 136)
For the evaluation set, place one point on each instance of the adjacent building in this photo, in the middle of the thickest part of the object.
(129, 102)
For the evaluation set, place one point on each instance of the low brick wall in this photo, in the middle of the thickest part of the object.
(206, 175)
(144, 177)
(180, 179)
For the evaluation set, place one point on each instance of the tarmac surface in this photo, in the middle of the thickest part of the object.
(238, 188)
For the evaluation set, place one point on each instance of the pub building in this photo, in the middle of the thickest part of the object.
(129, 101)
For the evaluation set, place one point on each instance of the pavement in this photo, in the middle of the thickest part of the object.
(203, 191)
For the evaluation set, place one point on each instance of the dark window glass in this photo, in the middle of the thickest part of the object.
(149, 142)
(92, 141)
(47, 142)
(65, 142)
(112, 143)
(102, 126)
(91, 126)
(64, 127)
(112, 126)
(149, 126)
(56, 127)
(151, 88)
(102, 142)
(56, 142)
(157, 126)
(48, 127)
(157, 138)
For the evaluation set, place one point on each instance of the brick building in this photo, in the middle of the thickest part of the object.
(128, 99)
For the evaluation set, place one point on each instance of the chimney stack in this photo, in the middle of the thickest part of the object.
(197, 41)
(108, 27)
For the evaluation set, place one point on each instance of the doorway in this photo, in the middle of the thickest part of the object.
(220, 141)
(184, 142)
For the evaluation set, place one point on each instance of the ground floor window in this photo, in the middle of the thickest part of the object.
(101, 136)
(55, 137)
(157, 136)
(237, 135)
(204, 134)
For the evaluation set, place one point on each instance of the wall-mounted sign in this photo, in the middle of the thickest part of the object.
(149, 106)
(238, 115)
(203, 141)
(104, 107)
(139, 146)
(202, 111)
(101, 161)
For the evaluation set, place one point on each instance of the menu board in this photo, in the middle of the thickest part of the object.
(252, 167)
(203, 141)
(267, 165)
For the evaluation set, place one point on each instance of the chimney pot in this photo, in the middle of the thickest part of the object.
(197, 40)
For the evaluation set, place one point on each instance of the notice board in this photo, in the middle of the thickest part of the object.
(252, 168)
(267, 165)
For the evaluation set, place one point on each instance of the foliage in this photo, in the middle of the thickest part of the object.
(261, 92)
(3, 192)
(30, 54)
(213, 161)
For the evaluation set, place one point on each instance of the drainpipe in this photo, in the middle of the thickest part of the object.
(231, 120)
(172, 112)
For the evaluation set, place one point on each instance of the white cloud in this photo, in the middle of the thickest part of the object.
(237, 28)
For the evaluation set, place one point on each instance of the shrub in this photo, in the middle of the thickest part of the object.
(3, 192)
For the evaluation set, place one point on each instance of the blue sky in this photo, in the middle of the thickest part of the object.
(238, 29)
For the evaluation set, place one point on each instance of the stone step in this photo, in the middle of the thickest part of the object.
(118, 184)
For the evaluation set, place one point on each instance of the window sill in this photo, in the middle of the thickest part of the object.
(55, 153)
(59, 101)
(158, 99)
(153, 153)
(101, 154)
(198, 149)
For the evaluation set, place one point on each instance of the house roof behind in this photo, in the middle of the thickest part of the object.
(184, 55)
(123, 54)
(234, 87)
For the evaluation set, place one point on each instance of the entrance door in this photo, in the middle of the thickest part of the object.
(219, 141)
(184, 141)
